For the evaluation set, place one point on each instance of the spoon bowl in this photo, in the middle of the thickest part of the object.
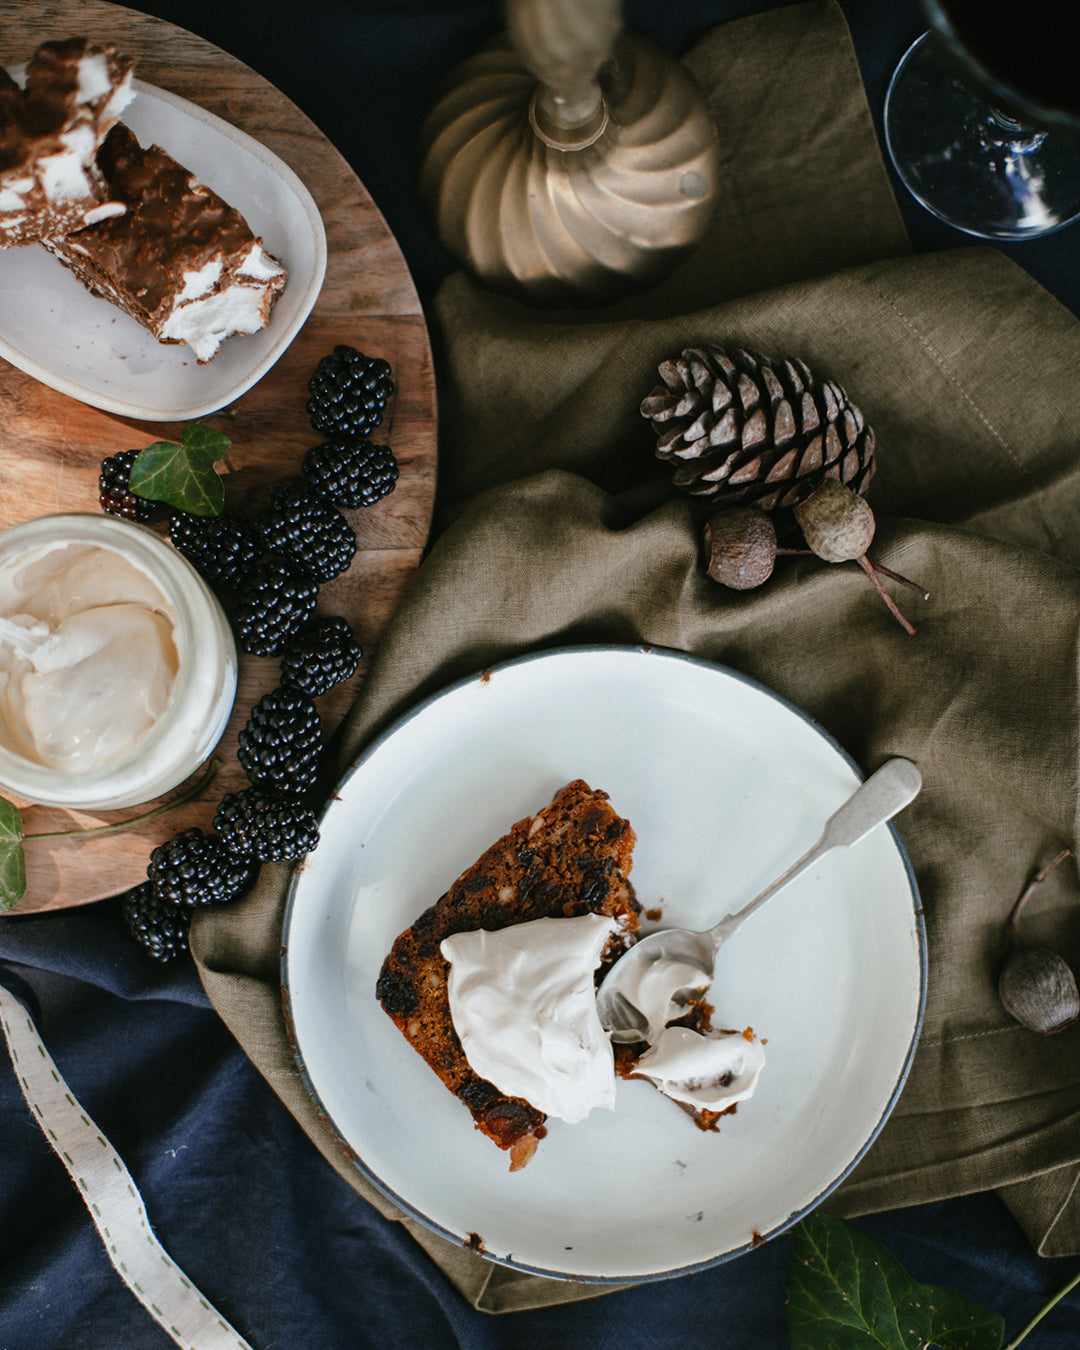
(679, 960)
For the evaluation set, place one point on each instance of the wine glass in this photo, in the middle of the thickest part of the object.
(982, 118)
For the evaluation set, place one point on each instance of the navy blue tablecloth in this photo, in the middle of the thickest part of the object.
(239, 1197)
(286, 1250)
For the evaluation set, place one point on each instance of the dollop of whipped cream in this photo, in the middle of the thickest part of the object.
(523, 1003)
(659, 990)
(87, 656)
(708, 1072)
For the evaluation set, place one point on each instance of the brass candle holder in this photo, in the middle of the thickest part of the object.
(569, 162)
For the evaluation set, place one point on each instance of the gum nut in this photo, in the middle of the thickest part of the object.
(741, 547)
(836, 522)
(1038, 988)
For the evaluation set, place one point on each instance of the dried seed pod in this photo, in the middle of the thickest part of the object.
(1037, 986)
(741, 547)
(837, 523)
(839, 526)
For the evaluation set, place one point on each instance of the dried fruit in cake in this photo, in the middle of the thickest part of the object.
(275, 599)
(280, 744)
(309, 530)
(572, 858)
(351, 473)
(193, 868)
(324, 653)
(264, 824)
(349, 392)
(50, 132)
(180, 260)
(222, 548)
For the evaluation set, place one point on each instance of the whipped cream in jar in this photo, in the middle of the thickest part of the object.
(117, 664)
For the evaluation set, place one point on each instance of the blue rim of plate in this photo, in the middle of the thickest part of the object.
(407, 1207)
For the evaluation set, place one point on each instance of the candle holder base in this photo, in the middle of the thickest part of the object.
(585, 221)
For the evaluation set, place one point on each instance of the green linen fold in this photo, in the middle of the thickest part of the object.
(557, 525)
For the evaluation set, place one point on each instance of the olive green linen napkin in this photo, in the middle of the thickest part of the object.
(558, 526)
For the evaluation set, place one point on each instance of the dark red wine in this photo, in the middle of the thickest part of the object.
(1025, 46)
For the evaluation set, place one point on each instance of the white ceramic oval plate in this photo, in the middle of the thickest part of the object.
(724, 784)
(52, 328)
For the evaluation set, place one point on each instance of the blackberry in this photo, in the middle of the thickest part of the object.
(266, 825)
(309, 530)
(160, 928)
(114, 490)
(275, 598)
(221, 548)
(351, 473)
(349, 392)
(280, 744)
(322, 654)
(193, 868)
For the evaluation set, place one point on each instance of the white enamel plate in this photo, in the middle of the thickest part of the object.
(724, 784)
(52, 328)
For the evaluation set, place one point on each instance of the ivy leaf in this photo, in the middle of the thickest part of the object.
(847, 1291)
(12, 861)
(183, 475)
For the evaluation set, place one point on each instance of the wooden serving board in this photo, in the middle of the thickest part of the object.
(51, 446)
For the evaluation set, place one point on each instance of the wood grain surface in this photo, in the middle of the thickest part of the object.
(51, 446)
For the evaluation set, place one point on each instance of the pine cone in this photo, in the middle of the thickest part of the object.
(742, 428)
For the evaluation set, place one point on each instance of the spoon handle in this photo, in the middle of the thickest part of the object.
(884, 793)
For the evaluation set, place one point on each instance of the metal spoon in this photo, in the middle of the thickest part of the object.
(884, 793)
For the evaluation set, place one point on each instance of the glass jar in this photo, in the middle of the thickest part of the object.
(201, 659)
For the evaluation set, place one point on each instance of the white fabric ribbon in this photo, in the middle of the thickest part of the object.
(111, 1195)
